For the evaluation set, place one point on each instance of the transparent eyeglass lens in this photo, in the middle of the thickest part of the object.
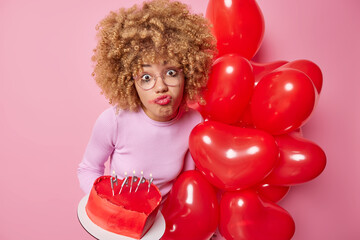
(170, 77)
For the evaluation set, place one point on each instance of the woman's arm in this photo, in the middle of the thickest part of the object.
(100, 147)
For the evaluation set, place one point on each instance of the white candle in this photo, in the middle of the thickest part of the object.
(142, 180)
(124, 182)
(133, 179)
(150, 181)
(113, 179)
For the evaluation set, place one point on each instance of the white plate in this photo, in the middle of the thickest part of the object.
(154, 233)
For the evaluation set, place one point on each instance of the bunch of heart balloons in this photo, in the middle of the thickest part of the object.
(249, 150)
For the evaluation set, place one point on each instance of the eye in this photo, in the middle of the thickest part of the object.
(171, 73)
(146, 77)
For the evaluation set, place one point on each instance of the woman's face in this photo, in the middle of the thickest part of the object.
(160, 88)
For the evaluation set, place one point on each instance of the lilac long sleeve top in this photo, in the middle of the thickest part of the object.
(134, 142)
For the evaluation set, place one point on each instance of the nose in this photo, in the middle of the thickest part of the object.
(160, 86)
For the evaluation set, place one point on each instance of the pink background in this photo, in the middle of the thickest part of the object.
(49, 102)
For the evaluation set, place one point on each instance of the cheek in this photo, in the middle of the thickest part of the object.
(181, 92)
(145, 99)
(143, 96)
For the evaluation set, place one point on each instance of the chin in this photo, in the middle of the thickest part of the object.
(167, 112)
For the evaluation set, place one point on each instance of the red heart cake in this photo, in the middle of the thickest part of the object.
(130, 213)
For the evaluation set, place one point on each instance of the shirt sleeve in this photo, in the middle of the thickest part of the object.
(100, 147)
(189, 162)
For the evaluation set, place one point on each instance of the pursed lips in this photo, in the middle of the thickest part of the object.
(162, 100)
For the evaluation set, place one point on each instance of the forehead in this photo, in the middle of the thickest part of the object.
(157, 68)
(149, 58)
(157, 65)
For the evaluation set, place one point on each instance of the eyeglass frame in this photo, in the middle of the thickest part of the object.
(156, 77)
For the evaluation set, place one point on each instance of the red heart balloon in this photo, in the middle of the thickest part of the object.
(232, 157)
(261, 69)
(229, 89)
(244, 216)
(191, 210)
(245, 120)
(300, 161)
(282, 101)
(237, 25)
(310, 69)
(271, 192)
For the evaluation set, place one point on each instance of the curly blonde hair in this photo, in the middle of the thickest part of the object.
(161, 30)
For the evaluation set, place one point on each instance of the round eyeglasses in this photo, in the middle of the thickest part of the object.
(171, 77)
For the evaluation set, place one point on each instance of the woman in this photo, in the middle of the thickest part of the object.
(149, 62)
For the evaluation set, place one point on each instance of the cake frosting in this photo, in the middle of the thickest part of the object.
(129, 214)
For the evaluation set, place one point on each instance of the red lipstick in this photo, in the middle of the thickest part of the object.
(162, 100)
